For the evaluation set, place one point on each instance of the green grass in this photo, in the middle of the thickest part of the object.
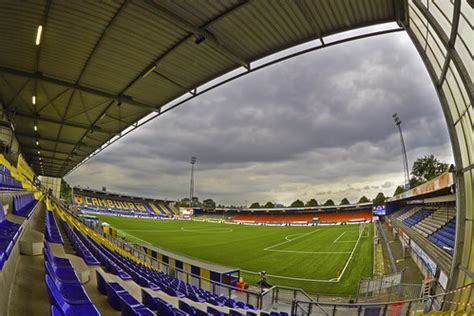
(307, 253)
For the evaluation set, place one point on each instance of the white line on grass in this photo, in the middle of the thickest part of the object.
(133, 237)
(337, 239)
(290, 239)
(202, 231)
(287, 241)
(349, 260)
(208, 230)
(334, 280)
(314, 252)
(291, 278)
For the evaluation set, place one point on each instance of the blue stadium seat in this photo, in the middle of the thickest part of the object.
(185, 307)
(445, 236)
(101, 283)
(23, 205)
(9, 234)
(55, 311)
(113, 294)
(66, 308)
(63, 274)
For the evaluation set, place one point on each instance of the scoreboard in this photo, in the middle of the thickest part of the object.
(379, 210)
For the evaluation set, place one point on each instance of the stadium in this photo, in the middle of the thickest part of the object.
(76, 77)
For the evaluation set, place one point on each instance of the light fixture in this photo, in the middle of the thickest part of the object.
(35, 127)
(149, 71)
(33, 99)
(38, 34)
(39, 152)
(37, 143)
(39, 158)
(199, 39)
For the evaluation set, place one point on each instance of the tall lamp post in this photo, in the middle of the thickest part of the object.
(406, 170)
(191, 184)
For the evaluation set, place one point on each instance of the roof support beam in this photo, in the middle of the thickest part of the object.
(156, 61)
(97, 92)
(47, 164)
(41, 118)
(36, 149)
(44, 138)
(199, 32)
(46, 159)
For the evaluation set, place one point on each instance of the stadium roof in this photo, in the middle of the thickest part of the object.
(102, 66)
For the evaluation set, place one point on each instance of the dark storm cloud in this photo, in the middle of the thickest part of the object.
(319, 120)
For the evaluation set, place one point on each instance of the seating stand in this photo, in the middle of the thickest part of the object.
(31, 243)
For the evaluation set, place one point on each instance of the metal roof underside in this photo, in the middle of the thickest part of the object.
(90, 73)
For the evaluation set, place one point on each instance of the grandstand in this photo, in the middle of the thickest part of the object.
(77, 76)
(307, 218)
(100, 202)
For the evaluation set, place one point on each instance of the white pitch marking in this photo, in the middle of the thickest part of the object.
(133, 237)
(290, 239)
(350, 258)
(292, 278)
(313, 252)
(287, 241)
(208, 230)
(336, 241)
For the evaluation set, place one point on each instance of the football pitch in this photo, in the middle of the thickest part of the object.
(319, 259)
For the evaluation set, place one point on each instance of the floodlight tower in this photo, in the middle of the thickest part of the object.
(191, 184)
(406, 170)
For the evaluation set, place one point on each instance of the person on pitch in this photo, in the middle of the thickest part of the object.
(263, 279)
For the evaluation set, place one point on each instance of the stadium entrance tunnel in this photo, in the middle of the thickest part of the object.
(220, 42)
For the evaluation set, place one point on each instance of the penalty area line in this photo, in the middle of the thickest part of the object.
(337, 239)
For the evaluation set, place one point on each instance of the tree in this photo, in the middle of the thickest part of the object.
(297, 203)
(345, 201)
(414, 182)
(379, 199)
(184, 202)
(329, 203)
(312, 203)
(269, 205)
(209, 203)
(196, 202)
(363, 199)
(255, 205)
(427, 168)
(400, 189)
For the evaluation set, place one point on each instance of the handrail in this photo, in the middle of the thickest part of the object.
(389, 250)
(420, 299)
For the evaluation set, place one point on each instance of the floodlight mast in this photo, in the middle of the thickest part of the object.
(406, 170)
(191, 184)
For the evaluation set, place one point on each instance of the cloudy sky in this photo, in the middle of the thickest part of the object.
(316, 126)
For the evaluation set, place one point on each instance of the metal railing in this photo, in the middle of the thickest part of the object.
(284, 298)
(222, 289)
(402, 307)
